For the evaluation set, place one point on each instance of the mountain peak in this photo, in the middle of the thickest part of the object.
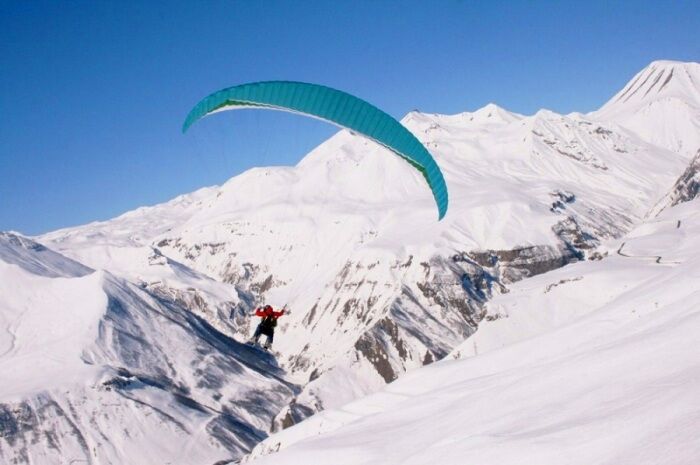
(493, 113)
(659, 80)
(660, 104)
(489, 113)
(660, 63)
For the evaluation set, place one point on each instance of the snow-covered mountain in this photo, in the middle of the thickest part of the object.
(661, 104)
(94, 369)
(348, 241)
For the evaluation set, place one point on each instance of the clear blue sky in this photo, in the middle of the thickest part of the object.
(93, 94)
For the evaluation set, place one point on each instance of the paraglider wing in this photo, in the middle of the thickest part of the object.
(334, 106)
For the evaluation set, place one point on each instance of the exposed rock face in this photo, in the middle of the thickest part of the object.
(514, 265)
(688, 186)
(572, 148)
(41, 421)
(576, 243)
(685, 189)
(436, 304)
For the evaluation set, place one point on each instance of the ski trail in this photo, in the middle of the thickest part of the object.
(11, 332)
(656, 258)
(12, 344)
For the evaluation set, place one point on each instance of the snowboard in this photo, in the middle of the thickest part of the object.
(262, 349)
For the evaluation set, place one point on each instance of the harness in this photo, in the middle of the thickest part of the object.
(268, 324)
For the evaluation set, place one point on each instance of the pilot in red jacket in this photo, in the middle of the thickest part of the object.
(267, 325)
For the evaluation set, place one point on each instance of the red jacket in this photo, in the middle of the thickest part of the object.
(262, 313)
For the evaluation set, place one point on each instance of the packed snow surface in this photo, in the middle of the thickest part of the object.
(45, 323)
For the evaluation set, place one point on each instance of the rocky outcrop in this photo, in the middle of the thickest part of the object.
(520, 263)
(437, 304)
(686, 188)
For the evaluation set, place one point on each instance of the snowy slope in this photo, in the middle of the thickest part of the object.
(594, 363)
(45, 324)
(37, 259)
(348, 240)
(124, 247)
(94, 369)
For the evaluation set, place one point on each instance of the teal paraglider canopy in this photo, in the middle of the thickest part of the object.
(334, 106)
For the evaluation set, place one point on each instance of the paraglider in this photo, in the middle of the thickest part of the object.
(336, 107)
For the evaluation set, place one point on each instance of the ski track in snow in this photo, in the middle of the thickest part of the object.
(11, 332)
(656, 258)
(12, 341)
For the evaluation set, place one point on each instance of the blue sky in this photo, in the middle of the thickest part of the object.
(93, 94)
